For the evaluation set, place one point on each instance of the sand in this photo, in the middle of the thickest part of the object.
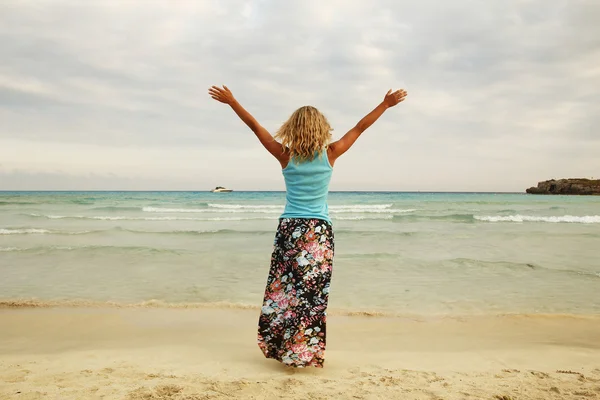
(81, 353)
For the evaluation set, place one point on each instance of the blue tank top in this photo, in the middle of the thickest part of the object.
(307, 186)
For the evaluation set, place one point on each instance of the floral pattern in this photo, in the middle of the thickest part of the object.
(292, 321)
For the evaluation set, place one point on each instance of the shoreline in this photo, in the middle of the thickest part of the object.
(211, 353)
(81, 304)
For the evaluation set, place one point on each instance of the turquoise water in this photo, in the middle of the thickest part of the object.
(405, 253)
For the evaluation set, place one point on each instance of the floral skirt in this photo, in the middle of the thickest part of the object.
(291, 328)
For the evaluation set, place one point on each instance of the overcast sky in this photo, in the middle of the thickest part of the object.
(113, 94)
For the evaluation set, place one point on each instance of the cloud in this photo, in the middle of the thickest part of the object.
(501, 93)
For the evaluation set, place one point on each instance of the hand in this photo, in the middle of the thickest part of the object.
(391, 99)
(223, 95)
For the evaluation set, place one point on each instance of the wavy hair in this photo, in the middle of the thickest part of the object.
(304, 133)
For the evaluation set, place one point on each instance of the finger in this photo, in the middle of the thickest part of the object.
(226, 88)
(388, 93)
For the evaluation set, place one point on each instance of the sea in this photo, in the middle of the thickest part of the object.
(395, 253)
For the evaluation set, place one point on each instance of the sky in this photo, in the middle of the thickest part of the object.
(112, 95)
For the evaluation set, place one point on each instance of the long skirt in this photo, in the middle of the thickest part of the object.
(291, 328)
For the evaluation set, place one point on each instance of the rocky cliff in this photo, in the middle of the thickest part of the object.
(567, 186)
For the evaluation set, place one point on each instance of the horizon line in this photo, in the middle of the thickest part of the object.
(253, 191)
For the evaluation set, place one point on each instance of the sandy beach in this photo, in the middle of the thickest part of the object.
(112, 353)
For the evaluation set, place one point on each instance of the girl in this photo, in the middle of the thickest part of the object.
(292, 321)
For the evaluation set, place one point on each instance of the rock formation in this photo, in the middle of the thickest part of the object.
(567, 186)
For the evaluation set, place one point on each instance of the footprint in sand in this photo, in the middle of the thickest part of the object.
(16, 376)
(585, 393)
(541, 375)
(159, 392)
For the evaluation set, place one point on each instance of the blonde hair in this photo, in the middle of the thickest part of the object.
(304, 133)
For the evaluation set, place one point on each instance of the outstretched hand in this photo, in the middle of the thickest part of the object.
(223, 95)
(391, 99)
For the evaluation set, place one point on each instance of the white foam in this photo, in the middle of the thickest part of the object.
(23, 231)
(273, 209)
(360, 218)
(208, 210)
(244, 206)
(108, 218)
(360, 207)
(239, 219)
(8, 249)
(370, 210)
(586, 219)
(279, 207)
(202, 219)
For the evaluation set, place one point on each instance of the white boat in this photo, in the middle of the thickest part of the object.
(221, 189)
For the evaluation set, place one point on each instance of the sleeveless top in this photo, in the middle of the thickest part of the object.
(307, 186)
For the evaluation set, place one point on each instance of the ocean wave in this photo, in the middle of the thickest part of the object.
(449, 217)
(369, 256)
(359, 207)
(82, 202)
(280, 207)
(586, 219)
(16, 203)
(244, 206)
(116, 208)
(124, 218)
(369, 211)
(519, 266)
(507, 264)
(200, 232)
(160, 304)
(115, 218)
(24, 231)
(239, 208)
(91, 248)
(7, 249)
(271, 217)
(362, 218)
(208, 210)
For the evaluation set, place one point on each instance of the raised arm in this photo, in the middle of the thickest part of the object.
(339, 147)
(225, 96)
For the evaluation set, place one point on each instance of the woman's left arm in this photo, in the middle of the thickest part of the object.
(225, 96)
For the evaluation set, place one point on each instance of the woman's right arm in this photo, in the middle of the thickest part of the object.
(225, 96)
(341, 146)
